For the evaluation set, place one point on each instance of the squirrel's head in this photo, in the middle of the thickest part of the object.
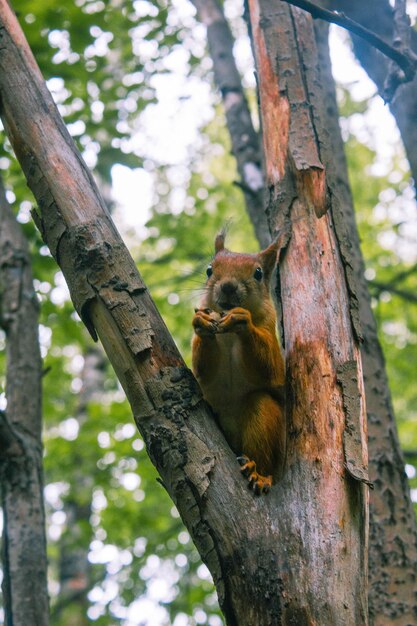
(239, 280)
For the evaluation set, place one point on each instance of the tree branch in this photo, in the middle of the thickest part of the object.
(402, 293)
(182, 438)
(405, 59)
(410, 454)
(391, 510)
(378, 15)
(401, 43)
(292, 113)
(398, 278)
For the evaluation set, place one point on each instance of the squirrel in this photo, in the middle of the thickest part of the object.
(238, 362)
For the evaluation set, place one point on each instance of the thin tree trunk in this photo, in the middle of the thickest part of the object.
(24, 543)
(74, 568)
(297, 556)
(245, 141)
(377, 15)
(393, 534)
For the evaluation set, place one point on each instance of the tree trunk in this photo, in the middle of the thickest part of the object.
(392, 590)
(393, 533)
(377, 15)
(320, 320)
(75, 574)
(245, 141)
(297, 556)
(24, 543)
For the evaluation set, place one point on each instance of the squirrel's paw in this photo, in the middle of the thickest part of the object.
(205, 322)
(234, 321)
(257, 482)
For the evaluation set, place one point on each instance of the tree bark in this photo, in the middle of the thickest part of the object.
(245, 141)
(392, 588)
(393, 533)
(197, 467)
(24, 543)
(377, 15)
(320, 317)
(297, 556)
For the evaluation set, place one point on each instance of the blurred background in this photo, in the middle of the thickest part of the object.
(133, 81)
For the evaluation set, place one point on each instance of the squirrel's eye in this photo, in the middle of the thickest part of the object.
(209, 271)
(258, 273)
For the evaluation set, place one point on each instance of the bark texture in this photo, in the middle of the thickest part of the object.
(245, 141)
(393, 535)
(392, 571)
(197, 467)
(377, 15)
(327, 439)
(24, 544)
(297, 556)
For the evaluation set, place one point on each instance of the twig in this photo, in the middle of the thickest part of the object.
(410, 454)
(398, 278)
(402, 293)
(406, 60)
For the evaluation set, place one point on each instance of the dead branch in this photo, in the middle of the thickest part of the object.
(400, 54)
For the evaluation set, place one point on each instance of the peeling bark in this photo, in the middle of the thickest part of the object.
(321, 324)
(393, 533)
(24, 543)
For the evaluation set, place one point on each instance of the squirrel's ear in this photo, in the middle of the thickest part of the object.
(270, 255)
(219, 241)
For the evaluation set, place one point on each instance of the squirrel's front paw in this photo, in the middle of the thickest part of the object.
(234, 321)
(260, 484)
(205, 322)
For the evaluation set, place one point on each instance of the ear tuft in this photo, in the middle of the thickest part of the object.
(219, 241)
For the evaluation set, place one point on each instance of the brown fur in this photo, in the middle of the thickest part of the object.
(238, 361)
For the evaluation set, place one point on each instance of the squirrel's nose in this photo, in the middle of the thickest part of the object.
(229, 287)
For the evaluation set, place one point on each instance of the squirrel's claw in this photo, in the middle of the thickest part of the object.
(205, 322)
(260, 484)
(236, 320)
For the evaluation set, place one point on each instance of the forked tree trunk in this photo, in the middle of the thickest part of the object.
(297, 556)
(24, 584)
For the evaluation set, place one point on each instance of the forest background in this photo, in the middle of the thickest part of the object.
(133, 82)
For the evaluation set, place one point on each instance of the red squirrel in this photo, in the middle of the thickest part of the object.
(238, 362)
